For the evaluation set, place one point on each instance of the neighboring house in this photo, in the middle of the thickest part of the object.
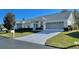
(58, 21)
(2, 28)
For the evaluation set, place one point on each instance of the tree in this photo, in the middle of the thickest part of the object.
(76, 17)
(9, 22)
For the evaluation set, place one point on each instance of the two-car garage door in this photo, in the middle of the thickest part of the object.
(55, 25)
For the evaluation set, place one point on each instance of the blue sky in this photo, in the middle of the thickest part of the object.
(26, 13)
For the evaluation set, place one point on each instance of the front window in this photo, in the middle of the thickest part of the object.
(35, 25)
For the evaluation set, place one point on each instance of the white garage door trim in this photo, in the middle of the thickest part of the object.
(55, 26)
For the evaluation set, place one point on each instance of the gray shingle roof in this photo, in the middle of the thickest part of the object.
(58, 16)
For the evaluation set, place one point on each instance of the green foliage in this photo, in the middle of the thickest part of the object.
(9, 21)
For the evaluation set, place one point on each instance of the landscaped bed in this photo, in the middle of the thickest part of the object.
(64, 40)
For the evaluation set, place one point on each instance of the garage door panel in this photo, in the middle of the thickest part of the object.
(55, 25)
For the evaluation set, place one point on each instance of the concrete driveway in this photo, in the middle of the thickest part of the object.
(17, 44)
(6, 43)
(39, 38)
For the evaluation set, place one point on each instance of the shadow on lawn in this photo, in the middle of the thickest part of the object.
(74, 34)
(69, 47)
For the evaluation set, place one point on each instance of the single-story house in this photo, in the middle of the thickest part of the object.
(58, 21)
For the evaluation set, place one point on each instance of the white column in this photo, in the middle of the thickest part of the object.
(23, 24)
(39, 24)
(33, 26)
(44, 25)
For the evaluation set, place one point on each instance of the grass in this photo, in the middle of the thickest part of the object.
(17, 34)
(64, 40)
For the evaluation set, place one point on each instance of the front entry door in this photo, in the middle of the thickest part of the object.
(35, 26)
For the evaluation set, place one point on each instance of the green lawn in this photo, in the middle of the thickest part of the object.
(17, 34)
(64, 39)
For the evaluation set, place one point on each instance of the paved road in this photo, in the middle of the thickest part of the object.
(16, 44)
(39, 38)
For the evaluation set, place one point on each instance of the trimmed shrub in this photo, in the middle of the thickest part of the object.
(23, 29)
(70, 28)
(65, 29)
(39, 29)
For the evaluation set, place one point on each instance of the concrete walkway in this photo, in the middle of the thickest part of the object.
(39, 38)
